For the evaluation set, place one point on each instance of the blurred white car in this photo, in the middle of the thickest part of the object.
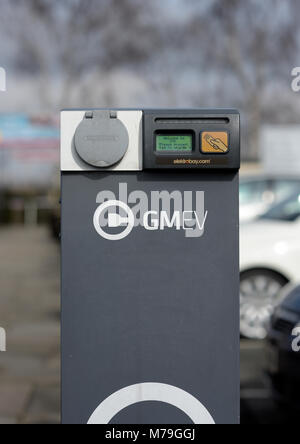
(270, 258)
(259, 192)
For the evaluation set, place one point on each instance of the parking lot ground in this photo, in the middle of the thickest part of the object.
(30, 313)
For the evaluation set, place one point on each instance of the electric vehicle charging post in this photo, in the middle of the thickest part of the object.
(150, 266)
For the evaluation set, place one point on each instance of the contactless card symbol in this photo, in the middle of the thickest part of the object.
(215, 142)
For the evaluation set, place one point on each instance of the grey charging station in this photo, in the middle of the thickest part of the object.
(150, 266)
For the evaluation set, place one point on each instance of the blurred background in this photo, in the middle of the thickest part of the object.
(136, 53)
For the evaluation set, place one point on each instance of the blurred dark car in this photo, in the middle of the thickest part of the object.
(54, 223)
(54, 204)
(283, 359)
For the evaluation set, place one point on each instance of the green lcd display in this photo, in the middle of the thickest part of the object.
(174, 142)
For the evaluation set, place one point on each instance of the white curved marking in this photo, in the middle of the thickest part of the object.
(134, 394)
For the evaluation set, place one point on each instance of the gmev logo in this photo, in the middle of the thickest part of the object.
(2, 340)
(296, 80)
(296, 341)
(163, 210)
(2, 80)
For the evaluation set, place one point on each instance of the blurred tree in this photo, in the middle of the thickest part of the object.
(249, 47)
(174, 53)
(71, 38)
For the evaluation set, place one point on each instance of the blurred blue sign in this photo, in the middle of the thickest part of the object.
(29, 150)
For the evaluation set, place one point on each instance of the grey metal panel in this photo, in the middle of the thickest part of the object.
(154, 307)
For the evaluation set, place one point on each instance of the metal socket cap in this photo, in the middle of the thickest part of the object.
(101, 139)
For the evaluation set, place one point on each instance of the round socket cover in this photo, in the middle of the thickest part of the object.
(101, 139)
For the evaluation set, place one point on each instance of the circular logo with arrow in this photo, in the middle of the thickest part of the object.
(115, 220)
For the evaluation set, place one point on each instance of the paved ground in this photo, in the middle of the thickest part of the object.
(29, 311)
